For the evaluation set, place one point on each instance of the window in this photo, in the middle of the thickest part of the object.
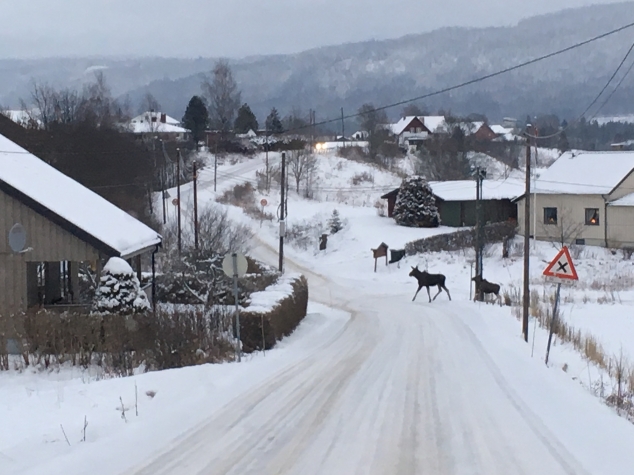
(550, 216)
(592, 217)
(580, 242)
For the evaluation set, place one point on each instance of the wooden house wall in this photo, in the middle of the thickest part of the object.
(49, 241)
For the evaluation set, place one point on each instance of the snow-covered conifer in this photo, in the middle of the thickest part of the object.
(415, 204)
(119, 291)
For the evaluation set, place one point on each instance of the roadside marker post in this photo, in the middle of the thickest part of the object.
(561, 269)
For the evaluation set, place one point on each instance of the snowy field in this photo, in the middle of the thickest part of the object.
(382, 385)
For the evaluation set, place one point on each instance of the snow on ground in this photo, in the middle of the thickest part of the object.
(401, 387)
(36, 404)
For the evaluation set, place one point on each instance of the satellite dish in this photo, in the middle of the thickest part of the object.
(17, 238)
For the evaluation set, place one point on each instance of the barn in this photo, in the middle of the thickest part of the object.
(50, 226)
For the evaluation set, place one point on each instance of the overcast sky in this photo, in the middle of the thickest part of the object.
(236, 28)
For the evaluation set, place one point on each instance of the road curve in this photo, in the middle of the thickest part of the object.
(399, 391)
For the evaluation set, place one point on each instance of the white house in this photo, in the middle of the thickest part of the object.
(159, 124)
(409, 131)
(584, 198)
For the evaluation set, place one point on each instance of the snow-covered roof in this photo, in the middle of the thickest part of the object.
(627, 200)
(465, 190)
(150, 122)
(147, 116)
(155, 127)
(586, 173)
(435, 123)
(111, 229)
(501, 130)
(401, 125)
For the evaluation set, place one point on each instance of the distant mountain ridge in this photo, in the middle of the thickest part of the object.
(328, 78)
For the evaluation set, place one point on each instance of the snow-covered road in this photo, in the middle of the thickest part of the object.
(405, 388)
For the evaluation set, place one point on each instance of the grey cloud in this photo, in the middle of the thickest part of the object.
(192, 28)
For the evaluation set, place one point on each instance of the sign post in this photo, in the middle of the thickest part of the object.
(561, 269)
(263, 203)
(235, 265)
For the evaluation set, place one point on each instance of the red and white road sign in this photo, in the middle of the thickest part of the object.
(561, 267)
(263, 202)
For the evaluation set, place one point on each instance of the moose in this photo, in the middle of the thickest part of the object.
(429, 280)
(485, 287)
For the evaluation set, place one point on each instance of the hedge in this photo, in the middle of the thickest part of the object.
(279, 309)
(497, 232)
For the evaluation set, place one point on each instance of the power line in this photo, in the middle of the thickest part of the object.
(592, 103)
(472, 81)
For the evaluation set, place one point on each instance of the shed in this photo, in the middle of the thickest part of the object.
(66, 224)
(456, 201)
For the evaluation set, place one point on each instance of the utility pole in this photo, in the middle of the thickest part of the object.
(215, 164)
(195, 206)
(178, 195)
(480, 174)
(282, 222)
(343, 135)
(527, 233)
(162, 180)
(267, 178)
(234, 258)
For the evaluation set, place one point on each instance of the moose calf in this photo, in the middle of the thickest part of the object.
(486, 287)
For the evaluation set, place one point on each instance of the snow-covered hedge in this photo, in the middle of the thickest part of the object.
(496, 232)
(280, 308)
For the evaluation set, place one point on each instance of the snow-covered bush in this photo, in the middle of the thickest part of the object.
(334, 223)
(119, 291)
(415, 205)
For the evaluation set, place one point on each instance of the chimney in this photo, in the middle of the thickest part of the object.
(163, 118)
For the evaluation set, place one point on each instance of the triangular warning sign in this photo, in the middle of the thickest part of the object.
(562, 267)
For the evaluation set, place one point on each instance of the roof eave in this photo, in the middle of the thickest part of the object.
(62, 222)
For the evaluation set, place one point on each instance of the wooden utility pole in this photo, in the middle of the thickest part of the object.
(215, 164)
(343, 130)
(282, 206)
(527, 234)
(195, 206)
(178, 195)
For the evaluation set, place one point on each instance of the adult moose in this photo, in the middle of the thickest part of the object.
(485, 287)
(429, 280)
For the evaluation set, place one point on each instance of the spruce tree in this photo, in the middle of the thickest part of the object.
(274, 123)
(196, 119)
(119, 290)
(415, 204)
(334, 223)
(246, 120)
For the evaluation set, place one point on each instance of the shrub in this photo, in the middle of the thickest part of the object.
(364, 177)
(461, 239)
(272, 323)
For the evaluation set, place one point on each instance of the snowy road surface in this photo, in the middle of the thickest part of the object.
(406, 388)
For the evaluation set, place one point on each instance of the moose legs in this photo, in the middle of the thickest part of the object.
(440, 289)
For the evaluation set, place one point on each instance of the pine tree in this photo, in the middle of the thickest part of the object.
(415, 205)
(119, 290)
(274, 123)
(196, 118)
(246, 120)
(334, 223)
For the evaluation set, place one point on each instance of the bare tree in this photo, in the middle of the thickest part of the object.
(43, 98)
(300, 164)
(149, 103)
(223, 96)
(98, 103)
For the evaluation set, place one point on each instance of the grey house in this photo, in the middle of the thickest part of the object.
(64, 224)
